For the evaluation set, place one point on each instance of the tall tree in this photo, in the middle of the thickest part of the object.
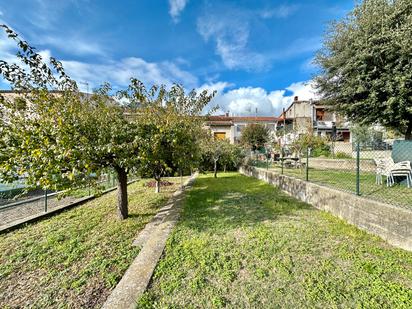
(366, 65)
(56, 136)
(254, 136)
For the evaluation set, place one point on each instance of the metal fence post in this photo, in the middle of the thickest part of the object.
(45, 200)
(281, 165)
(357, 168)
(307, 164)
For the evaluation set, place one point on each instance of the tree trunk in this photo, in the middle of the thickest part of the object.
(215, 169)
(408, 134)
(181, 179)
(224, 168)
(122, 204)
(157, 187)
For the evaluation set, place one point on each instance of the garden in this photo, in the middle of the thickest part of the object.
(76, 257)
(239, 242)
(242, 243)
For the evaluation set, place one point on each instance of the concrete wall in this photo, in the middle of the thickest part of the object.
(300, 109)
(391, 223)
(228, 130)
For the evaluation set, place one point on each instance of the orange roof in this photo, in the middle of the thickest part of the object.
(242, 118)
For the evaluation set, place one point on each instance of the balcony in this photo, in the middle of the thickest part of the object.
(324, 124)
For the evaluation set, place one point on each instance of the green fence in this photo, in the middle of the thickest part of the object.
(379, 172)
(15, 207)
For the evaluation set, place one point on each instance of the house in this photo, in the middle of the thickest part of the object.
(231, 127)
(311, 116)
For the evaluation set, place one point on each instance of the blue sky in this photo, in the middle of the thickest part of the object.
(256, 54)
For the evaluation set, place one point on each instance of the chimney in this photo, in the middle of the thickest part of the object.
(227, 114)
(296, 98)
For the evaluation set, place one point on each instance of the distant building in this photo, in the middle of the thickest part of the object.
(231, 127)
(312, 116)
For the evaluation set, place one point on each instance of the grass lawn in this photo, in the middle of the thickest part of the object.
(75, 258)
(346, 180)
(242, 243)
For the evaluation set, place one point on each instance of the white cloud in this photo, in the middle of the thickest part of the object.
(120, 72)
(231, 35)
(247, 100)
(74, 45)
(46, 14)
(176, 7)
(231, 39)
(8, 50)
(116, 72)
(219, 87)
(281, 11)
(304, 90)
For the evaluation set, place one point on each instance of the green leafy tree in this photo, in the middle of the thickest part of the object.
(254, 136)
(220, 153)
(366, 67)
(318, 145)
(232, 156)
(55, 136)
(169, 125)
(213, 150)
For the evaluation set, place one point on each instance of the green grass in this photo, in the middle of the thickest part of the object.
(241, 243)
(346, 180)
(75, 258)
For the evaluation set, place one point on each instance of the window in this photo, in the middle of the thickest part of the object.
(240, 127)
(219, 135)
(320, 114)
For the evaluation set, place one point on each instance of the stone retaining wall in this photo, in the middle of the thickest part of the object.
(391, 223)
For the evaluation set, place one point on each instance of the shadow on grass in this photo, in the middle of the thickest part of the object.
(233, 200)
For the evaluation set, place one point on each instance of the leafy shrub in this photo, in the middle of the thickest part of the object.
(319, 145)
(321, 151)
(342, 155)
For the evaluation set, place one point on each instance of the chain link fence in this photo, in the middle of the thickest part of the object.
(377, 171)
(16, 204)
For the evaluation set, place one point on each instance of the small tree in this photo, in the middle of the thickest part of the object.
(232, 156)
(213, 150)
(254, 136)
(366, 68)
(317, 144)
(220, 153)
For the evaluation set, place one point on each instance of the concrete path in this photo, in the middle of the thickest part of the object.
(152, 239)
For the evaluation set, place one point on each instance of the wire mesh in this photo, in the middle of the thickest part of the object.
(376, 171)
(16, 205)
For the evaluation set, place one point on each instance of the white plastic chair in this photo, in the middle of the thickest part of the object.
(383, 168)
(403, 169)
(388, 168)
